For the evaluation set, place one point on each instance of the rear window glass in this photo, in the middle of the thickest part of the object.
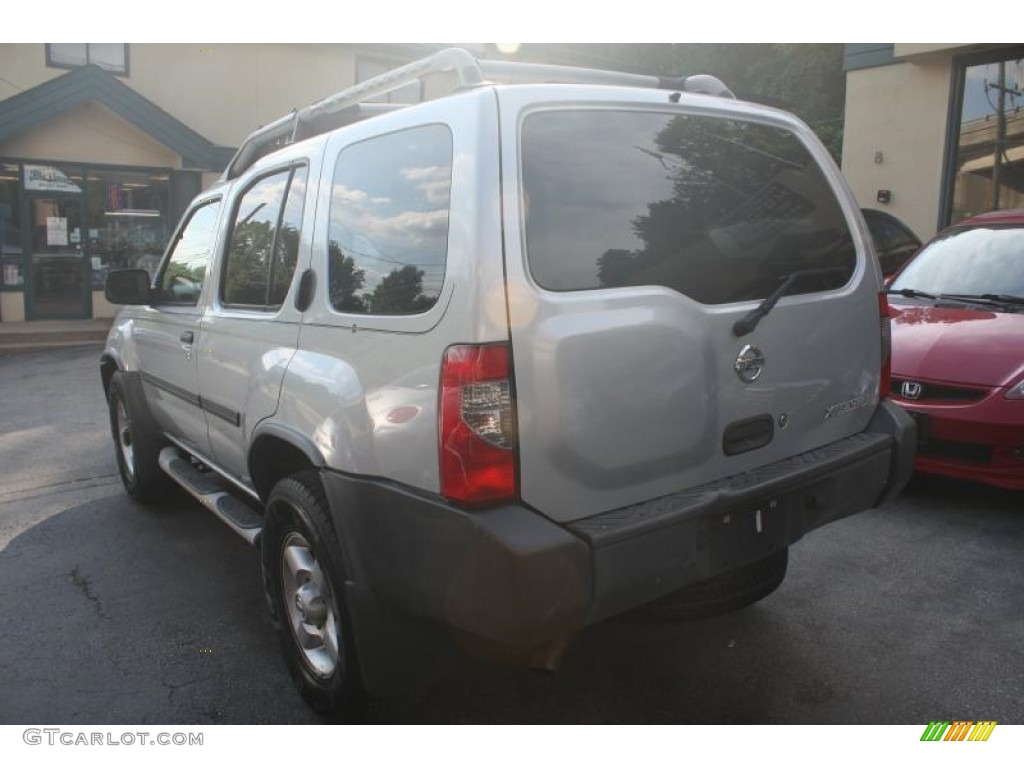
(719, 210)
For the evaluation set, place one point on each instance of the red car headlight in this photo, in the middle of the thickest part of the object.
(1017, 392)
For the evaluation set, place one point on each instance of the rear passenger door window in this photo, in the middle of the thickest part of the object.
(264, 244)
(388, 232)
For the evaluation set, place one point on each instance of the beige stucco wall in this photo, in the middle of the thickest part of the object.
(899, 110)
(90, 133)
(239, 86)
(12, 307)
(101, 308)
(23, 66)
(222, 91)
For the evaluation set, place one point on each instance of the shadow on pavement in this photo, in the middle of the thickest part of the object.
(119, 614)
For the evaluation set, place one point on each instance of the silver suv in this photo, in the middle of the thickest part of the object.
(479, 372)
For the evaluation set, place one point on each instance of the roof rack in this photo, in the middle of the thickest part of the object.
(348, 106)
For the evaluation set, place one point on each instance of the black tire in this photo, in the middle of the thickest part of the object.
(136, 448)
(303, 579)
(727, 592)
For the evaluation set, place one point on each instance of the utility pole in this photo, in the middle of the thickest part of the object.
(997, 160)
(999, 152)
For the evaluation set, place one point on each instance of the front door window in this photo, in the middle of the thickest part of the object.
(58, 263)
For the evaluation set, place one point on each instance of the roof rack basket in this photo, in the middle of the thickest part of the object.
(348, 106)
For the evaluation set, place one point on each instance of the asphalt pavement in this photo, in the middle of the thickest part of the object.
(113, 613)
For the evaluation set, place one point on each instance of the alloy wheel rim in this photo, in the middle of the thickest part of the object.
(124, 439)
(310, 607)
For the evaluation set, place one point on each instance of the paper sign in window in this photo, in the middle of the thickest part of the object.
(56, 230)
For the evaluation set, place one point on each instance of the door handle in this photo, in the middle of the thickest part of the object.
(187, 337)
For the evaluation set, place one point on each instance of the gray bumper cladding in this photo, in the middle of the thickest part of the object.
(510, 576)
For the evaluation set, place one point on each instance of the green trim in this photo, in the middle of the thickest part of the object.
(867, 55)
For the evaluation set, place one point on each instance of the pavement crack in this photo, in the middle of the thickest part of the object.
(85, 587)
(173, 688)
(66, 486)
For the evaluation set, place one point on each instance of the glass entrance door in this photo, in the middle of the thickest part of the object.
(59, 279)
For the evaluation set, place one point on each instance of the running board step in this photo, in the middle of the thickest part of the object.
(213, 494)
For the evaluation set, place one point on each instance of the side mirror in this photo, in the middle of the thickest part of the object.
(128, 286)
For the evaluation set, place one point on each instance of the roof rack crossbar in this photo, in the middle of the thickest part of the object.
(347, 106)
(290, 127)
(456, 60)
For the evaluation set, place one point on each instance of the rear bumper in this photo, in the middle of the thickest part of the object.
(512, 577)
(643, 552)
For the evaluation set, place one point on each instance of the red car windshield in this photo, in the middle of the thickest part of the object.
(979, 261)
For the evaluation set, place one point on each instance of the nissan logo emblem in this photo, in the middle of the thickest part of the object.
(911, 390)
(749, 363)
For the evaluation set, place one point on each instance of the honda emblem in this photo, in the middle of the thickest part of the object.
(911, 390)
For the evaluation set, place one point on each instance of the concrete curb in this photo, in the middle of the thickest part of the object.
(44, 335)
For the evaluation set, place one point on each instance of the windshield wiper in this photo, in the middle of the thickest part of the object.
(913, 293)
(989, 299)
(749, 321)
(1005, 298)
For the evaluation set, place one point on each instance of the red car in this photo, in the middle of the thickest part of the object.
(958, 349)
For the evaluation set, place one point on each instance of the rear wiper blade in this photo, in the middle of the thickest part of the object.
(749, 321)
(913, 293)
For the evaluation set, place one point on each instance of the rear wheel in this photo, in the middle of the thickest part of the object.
(136, 448)
(304, 581)
(724, 593)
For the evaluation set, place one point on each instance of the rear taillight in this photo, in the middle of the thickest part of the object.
(885, 382)
(477, 433)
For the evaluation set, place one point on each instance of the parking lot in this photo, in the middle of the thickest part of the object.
(117, 614)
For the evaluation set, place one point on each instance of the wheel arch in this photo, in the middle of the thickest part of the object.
(277, 452)
(108, 367)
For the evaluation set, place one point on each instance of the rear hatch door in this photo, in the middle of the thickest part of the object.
(638, 231)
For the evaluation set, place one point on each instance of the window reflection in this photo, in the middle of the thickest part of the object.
(990, 151)
(974, 261)
(719, 210)
(126, 221)
(263, 254)
(183, 277)
(388, 238)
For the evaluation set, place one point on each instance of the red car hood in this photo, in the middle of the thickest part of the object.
(959, 346)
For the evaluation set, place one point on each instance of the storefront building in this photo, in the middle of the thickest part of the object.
(102, 146)
(64, 226)
(934, 133)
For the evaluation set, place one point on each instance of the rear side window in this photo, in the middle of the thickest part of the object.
(719, 210)
(264, 247)
(388, 239)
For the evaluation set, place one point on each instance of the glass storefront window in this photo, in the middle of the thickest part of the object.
(989, 166)
(126, 221)
(12, 275)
